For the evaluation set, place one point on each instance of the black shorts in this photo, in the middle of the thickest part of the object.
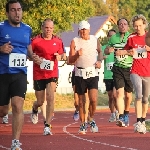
(81, 85)
(40, 85)
(73, 78)
(12, 85)
(109, 83)
(121, 78)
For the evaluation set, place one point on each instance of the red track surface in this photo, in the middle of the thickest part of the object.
(65, 135)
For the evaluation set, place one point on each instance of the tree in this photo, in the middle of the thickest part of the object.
(143, 7)
(113, 7)
(63, 13)
(131, 7)
(101, 8)
(107, 7)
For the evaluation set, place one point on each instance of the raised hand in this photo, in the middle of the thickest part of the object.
(58, 57)
(6, 48)
(36, 59)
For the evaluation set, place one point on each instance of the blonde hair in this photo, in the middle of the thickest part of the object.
(139, 17)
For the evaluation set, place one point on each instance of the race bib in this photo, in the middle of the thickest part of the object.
(109, 65)
(140, 53)
(88, 73)
(17, 60)
(121, 57)
(47, 64)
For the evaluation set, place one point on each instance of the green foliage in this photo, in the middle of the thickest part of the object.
(122, 8)
(143, 7)
(131, 7)
(63, 13)
(100, 8)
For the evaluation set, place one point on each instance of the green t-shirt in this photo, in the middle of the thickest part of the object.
(108, 64)
(116, 41)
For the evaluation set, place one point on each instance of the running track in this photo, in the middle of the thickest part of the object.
(65, 135)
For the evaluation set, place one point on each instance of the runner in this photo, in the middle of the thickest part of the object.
(13, 70)
(83, 52)
(121, 72)
(45, 73)
(108, 79)
(140, 72)
(76, 102)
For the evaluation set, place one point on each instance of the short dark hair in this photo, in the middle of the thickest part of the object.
(11, 2)
(122, 19)
(111, 30)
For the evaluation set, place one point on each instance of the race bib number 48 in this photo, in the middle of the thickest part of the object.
(17, 60)
(140, 53)
(47, 64)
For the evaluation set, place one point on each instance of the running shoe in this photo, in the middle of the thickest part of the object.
(34, 117)
(140, 127)
(5, 119)
(16, 145)
(120, 122)
(76, 116)
(47, 131)
(93, 127)
(126, 119)
(82, 129)
(112, 118)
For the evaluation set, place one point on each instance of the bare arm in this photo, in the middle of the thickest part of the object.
(108, 50)
(99, 50)
(147, 38)
(73, 56)
(30, 52)
(68, 63)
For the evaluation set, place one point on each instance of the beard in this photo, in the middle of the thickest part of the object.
(15, 22)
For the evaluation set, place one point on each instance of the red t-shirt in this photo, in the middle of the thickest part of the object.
(46, 49)
(139, 66)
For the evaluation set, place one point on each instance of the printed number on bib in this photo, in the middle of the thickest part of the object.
(121, 57)
(47, 64)
(17, 60)
(140, 53)
(109, 65)
(88, 73)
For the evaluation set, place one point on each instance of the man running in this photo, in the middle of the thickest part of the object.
(108, 79)
(48, 48)
(14, 46)
(140, 72)
(121, 72)
(76, 101)
(83, 52)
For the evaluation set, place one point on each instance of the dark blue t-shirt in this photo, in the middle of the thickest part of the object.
(15, 62)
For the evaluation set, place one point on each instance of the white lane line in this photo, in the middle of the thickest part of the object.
(84, 139)
(5, 125)
(4, 147)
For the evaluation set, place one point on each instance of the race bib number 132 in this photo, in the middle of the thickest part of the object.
(17, 60)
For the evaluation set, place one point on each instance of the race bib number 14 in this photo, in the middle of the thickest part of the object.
(17, 60)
